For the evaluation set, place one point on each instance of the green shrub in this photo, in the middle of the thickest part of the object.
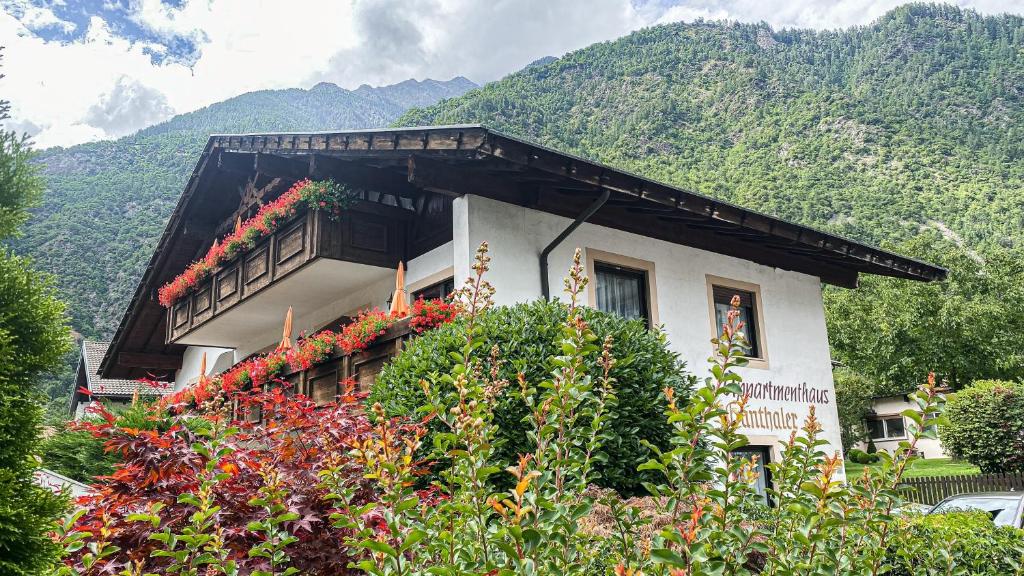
(971, 544)
(80, 456)
(527, 335)
(77, 455)
(984, 425)
(861, 457)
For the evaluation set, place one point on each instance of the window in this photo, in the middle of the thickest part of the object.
(622, 285)
(721, 294)
(441, 290)
(760, 456)
(886, 428)
(621, 291)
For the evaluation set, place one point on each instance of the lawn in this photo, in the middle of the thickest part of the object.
(919, 468)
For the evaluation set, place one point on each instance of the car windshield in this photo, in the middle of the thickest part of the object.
(1002, 509)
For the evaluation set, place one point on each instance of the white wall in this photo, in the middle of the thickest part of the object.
(794, 319)
(217, 360)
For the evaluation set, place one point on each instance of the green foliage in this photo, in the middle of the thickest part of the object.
(984, 425)
(965, 328)
(33, 338)
(973, 545)
(79, 455)
(861, 457)
(853, 399)
(76, 454)
(526, 336)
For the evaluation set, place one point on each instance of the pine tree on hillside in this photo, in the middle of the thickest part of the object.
(33, 337)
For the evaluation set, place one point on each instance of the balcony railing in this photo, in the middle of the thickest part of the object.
(323, 382)
(370, 234)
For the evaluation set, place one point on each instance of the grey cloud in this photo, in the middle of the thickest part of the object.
(391, 44)
(130, 106)
(480, 40)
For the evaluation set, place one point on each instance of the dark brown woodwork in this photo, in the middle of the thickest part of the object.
(443, 178)
(323, 382)
(154, 361)
(367, 233)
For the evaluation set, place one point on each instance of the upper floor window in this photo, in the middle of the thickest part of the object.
(621, 291)
(622, 285)
(721, 292)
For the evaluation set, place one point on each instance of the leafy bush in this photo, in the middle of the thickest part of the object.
(853, 399)
(81, 455)
(526, 336)
(972, 544)
(984, 425)
(77, 454)
(33, 339)
(861, 457)
(199, 488)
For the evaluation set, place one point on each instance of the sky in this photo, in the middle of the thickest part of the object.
(83, 70)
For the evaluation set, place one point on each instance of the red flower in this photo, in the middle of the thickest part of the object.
(265, 222)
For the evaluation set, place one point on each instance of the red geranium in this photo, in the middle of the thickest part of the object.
(326, 195)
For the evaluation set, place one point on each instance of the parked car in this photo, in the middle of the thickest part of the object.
(1005, 508)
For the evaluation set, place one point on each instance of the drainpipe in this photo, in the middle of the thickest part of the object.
(545, 288)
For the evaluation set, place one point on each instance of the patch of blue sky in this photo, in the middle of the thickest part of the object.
(73, 18)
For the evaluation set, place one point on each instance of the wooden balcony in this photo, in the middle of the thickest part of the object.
(322, 383)
(308, 262)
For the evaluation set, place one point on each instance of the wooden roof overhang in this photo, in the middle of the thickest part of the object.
(410, 164)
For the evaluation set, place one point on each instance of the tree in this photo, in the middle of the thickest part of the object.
(964, 328)
(853, 399)
(985, 426)
(33, 338)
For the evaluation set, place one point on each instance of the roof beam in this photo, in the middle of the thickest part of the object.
(147, 360)
(361, 175)
(442, 178)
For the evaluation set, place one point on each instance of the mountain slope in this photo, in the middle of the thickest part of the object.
(107, 202)
(913, 121)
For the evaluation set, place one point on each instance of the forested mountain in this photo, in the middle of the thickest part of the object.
(107, 202)
(913, 121)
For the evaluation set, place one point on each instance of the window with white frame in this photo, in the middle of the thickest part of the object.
(886, 427)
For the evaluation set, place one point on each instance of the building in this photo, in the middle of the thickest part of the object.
(111, 391)
(887, 426)
(428, 197)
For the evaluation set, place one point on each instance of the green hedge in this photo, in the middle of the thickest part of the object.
(526, 335)
(985, 425)
(971, 544)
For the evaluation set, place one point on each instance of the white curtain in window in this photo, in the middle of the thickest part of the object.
(620, 293)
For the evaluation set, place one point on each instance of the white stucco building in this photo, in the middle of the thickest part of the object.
(887, 427)
(430, 196)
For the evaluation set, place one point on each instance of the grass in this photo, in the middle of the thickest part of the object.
(922, 467)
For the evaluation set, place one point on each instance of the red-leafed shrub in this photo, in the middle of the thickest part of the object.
(239, 474)
(428, 314)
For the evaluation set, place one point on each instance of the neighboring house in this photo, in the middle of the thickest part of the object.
(887, 426)
(429, 197)
(111, 391)
(58, 483)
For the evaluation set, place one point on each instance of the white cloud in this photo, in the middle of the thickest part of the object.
(67, 92)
